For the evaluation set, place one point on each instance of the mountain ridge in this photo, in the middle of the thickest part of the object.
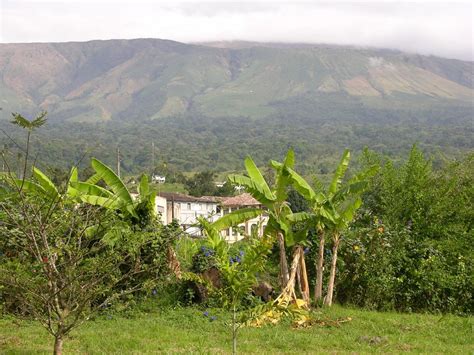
(144, 79)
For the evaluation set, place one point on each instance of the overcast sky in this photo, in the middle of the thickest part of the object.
(439, 28)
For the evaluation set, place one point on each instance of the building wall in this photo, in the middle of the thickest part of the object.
(237, 233)
(187, 214)
(161, 208)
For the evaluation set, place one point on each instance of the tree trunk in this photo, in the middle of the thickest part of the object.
(58, 345)
(294, 268)
(332, 275)
(173, 262)
(304, 278)
(318, 287)
(298, 279)
(284, 275)
(289, 289)
(234, 331)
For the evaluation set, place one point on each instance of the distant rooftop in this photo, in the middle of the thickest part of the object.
(241, 200)
(244, 199)
(174, 196)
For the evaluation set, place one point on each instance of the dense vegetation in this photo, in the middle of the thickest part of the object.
(381, 234)
(197, 143)
(411, 247)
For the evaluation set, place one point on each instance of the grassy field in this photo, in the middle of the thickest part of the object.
(188, 331)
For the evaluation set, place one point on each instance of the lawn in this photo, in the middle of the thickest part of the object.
(187, 330)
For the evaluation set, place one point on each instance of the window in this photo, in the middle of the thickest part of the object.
(189, 206)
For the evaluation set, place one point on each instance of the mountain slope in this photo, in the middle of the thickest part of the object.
(207, 106)
(148, 79)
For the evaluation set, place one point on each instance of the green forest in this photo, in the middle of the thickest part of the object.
(197, 143)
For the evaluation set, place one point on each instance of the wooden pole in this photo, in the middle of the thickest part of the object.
(152, 157)
(118, 161)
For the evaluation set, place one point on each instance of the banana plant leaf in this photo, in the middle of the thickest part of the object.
(79, 188)
(265, 197)
(235, 218)
(256, 176)
(113, 181)
(46, 184)
(339, 173)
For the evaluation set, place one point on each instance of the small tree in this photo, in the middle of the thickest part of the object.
(201, 184)
(238, 272)
(62, 264)
(137, 213)
(65, 258)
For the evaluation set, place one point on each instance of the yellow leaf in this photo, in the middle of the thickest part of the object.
(300, 303)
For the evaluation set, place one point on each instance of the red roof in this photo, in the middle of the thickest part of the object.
(177, 197)
(244, 199)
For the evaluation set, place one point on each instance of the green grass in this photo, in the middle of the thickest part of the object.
(167, 187)
(188, 331)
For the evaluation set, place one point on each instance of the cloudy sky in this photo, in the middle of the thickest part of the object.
(434, 27)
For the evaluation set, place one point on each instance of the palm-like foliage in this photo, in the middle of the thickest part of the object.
(275, 201)
(117, 196)
(21, 121)
(332, 210)
(24, 123)
(212, 229)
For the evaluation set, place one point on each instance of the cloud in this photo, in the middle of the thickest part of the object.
(443, 29)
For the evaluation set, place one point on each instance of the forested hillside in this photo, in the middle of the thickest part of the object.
(207, 106)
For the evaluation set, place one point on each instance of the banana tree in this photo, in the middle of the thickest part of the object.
(321, 213)
(212, 229)
(274, 200)
(116, 197)
(136, 213)
(331, 211)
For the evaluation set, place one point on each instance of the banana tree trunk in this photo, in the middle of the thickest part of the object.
(288, 292)
(332, 275)
(284, 274)
(304, 278)
(298, 279)
(318, 287)
(290, 286)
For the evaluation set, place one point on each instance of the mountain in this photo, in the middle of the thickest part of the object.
(208, 105)
(148, 79)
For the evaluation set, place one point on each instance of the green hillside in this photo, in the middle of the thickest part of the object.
(208, 105)
(150, 79)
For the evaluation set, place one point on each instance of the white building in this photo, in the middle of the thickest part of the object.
(245, 200)
(186, 210)
(161, 208)
(158, 179)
